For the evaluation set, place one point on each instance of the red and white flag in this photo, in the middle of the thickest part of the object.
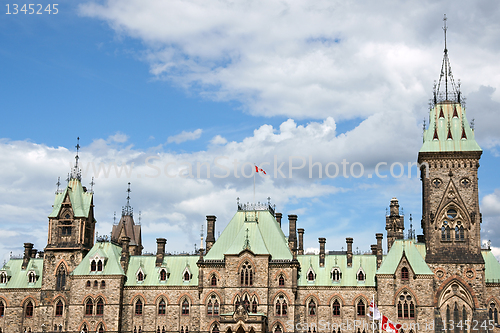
(389, 326)
(374, 312)
(257, 169)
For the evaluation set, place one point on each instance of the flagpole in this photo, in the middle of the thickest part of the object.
(254, 186)
(373, 314)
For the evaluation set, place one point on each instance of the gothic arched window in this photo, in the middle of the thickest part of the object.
(93, 266)
(163, 275)
(406, 307)
(2, 309)
(101, 329)
(281, 280)
(213, 281)
(29, 309)
(281, 306)
(216, 307)
(187, 276)
(99, 266)
(361, 308)
(3, 277)
(246, 274)
(209, 308)
(162, 307)
(310, 276)
(103, 284)
(312, 308)
(99, 311)
(89, 307)
(361, 276)
(59, 309)
(61, 278)
(185, 307)
(254, 306)
(404, 273)
(336, 275)
(336, 308)
(138, 307)
(31, 277)
(215, 329)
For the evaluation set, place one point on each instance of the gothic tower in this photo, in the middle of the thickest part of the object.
(394, 224)
(449, 162)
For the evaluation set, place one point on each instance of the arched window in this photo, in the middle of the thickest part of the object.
(99, 311)
(448, 233)
(310, 276)
(99, 266)
(93, 266)
(89, 284)
(216, 308)
(406, 307)
(185, 307)
(84, 328)
(29, 309)
(281, 281)
(462, 232)
(163, 275)
(336, 275)
(96, 284)
(246, 274)
(61, 278)
(281, 306)
(210, 308)
(163, 329)
(187, 276)
(162, 307)
(213, 280)
(3, 277)
(2, 309)
(278, 329)
(246, 303)
(361, 276)
(101, 329)
(140, 276)
(404, 273)
(361, 308)
(103, 284)
(336, 308)
(138, 307)
(254, 306)
(59, 309)
(31, 277)
(215, 329)
(443, 233)
(464, 317)
(312, 308)
(89, 307)
(493, 313)
(182, 329)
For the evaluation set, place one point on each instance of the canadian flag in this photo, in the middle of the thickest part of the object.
(389, 326)
(257, 169)
(374, 312)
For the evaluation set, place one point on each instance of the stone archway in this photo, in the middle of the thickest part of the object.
(240, 330)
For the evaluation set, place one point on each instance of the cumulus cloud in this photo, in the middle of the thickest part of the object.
(185, 136)
(218, 140)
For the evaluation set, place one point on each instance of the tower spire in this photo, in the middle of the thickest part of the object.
(76, 172)
(127, 210)
(451, 90)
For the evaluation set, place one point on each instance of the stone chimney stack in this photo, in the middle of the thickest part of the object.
(322, 242)
(349, 241)
(292, 236)
(373, 247)
(160, 250)
(278, 217)
(125, 240)
(210, 232)
(27, 254)
(301, 240)
(379, 237)
(394, 224)
(33, 253)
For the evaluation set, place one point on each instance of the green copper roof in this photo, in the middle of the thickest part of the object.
(492, 266)
(110, 252)
(368, 263)
(414, 252)
(448, 130)
(80, 200)
(264, 236)
(175, 266)
(18, 278)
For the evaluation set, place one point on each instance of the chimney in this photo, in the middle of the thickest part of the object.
(301, 240)
(322, 242)
(292, 236)
(349, 241)
(420, 239)
(210, 231)
(160, 250)
(373, 247)
(125, 240)
(379, 237)
(278, 217)
(27, 254)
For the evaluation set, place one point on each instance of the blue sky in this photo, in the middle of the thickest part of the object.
(190, 81)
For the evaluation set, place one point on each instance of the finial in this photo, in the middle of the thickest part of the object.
(140, 217)
(58, 184)
(76, 172)
(77, 150)
(472, 123)
(445, 28)
(201, 236)
(114, 218)
(127, 210)
(92, 186)
(246, 246)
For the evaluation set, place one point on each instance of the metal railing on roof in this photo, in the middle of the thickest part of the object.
(257, 206)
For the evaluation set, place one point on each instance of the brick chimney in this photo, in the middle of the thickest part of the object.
(27, 254)
(379, 237)
(125, 255)
(292, 236)
(210, 231)
(33, 253)
(278, 217)
(349, 241)
(301, 240)
(322, 242)
(160, 250)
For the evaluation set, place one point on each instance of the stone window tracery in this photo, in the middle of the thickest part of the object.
(493, 313)
(406, 306)
(246, 274)
(61, 277)
(281, 306)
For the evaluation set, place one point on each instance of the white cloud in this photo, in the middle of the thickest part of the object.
(118, 138)
(185, 136)
(218, 140)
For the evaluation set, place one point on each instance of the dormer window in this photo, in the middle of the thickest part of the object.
(140, 276)
(311, 276)
(93, 266)
(361, 276)
(99, 266)
(97, 263)
(31, 277)
(3, 277)
(163, 275)
(186, 275)
(336, 275)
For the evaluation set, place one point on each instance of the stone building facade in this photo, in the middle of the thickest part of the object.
(256, 279)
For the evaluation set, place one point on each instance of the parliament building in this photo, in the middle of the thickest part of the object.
(256, 278)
